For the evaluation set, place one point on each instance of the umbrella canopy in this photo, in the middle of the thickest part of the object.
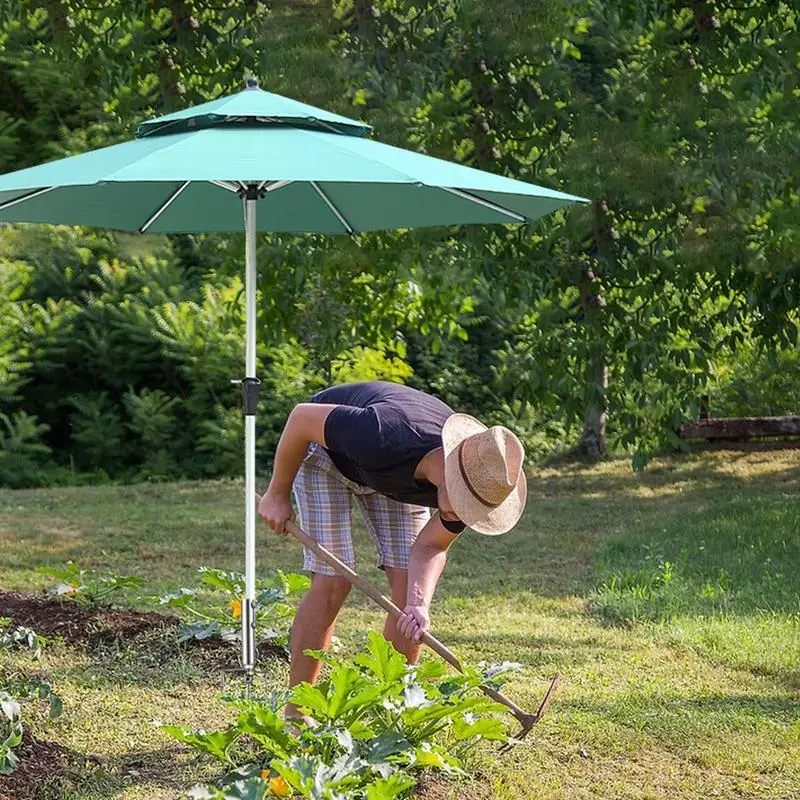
(316, 171)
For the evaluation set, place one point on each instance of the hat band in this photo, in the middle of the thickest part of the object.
(467, 481)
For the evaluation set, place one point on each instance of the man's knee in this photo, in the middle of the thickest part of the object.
(332, 590)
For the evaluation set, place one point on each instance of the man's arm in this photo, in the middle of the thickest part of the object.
(306, 424)
(426, 564)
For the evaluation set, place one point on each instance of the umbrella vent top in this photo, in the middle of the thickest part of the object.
(252, 107)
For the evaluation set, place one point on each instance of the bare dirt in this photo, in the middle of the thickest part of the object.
(52, 617)
(44, 769)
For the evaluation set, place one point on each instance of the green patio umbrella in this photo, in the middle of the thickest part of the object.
(306, 169)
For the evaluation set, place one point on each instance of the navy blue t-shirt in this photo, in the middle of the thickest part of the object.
(380, 433)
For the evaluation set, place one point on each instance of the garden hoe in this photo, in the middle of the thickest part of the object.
(525, 719)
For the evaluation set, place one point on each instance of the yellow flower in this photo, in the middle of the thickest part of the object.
(264, 774)
(279, 788)
(236, 608)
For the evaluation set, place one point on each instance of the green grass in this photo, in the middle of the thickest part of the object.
(668, 599)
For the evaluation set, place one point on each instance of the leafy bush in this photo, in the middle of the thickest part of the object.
(757, 383)
(22, 452)
(222, 617)
(377, 721)
(152, 421)
(97, 432)
(85, 586)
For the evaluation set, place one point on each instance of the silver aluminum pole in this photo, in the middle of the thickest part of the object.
(250, 401)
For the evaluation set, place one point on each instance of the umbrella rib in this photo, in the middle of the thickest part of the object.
(485, 203)
(164, 206)
(225, 185)
(347, 226)
(29, 196)
(277, 185)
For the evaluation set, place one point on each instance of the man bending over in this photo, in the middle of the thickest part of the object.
(398, 452)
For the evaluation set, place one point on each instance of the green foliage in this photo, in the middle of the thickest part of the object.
(20, 637)
(221, 614)
(678, 120)
(681, 254)
(754, 382)
(22, 452)
(378, 721)
(85, 586)
(16, 689)
(10, 731)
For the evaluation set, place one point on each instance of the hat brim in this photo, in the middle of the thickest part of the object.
(471, 511)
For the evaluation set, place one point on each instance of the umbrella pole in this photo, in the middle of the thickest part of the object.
(250, 391)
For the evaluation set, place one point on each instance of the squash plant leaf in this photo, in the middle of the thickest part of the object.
(389, 788)
(215, 743)
(382, 660)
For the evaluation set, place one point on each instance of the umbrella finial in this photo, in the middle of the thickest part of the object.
(251, 83)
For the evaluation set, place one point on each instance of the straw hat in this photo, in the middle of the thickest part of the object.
(483, 474)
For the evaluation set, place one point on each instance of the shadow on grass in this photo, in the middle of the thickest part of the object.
(163, 666)
(108, 777)
(665, 478)
(736, 559)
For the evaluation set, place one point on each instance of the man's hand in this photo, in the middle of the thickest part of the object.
(275, 509)
(413, 622)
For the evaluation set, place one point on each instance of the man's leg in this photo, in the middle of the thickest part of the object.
(398, 583)
(323, 502)
(313, 627)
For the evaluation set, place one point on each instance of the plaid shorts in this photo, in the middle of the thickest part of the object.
(324, 499)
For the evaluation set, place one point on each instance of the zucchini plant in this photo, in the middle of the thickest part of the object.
(376, 722)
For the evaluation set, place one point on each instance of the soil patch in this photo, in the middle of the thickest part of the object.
(44, 767)
(433, 787)
(50, 616)
(103, 627)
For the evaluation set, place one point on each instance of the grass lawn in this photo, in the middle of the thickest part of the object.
(669, 600)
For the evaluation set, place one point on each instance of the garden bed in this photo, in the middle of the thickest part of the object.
(52, 617)
(98, 627)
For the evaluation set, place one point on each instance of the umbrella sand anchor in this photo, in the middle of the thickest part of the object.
(312, 171)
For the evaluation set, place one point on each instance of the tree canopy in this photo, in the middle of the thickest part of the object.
(677, 118)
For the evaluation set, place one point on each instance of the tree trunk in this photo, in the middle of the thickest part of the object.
(593, 439)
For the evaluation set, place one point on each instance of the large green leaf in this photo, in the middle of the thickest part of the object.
(388, 788)
(382, 660)
(310, 699)
(231, 582)
(215, 743)
(9, 706)
(429, 755)
(198, 630)
(268, 729)
(490, 728)
(387, 744)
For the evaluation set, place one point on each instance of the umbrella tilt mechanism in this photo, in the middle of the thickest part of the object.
(526, 719)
